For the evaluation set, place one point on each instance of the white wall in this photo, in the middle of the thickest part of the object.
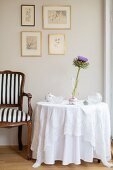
(53, 73)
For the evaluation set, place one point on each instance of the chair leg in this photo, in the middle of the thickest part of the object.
(20, 137)
(98, 160)
(29, 154)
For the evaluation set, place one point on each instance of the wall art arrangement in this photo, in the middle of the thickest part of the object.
(31, 43)
(56, 44)
(53, 18)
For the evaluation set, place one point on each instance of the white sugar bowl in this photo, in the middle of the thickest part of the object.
(49, 97)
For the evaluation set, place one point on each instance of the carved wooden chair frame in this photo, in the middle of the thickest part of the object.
(20, 107)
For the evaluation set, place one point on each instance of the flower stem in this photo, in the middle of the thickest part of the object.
(76, 83)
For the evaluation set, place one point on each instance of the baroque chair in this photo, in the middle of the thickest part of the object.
(11, 105)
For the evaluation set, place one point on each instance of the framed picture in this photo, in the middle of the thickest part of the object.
(56, 44)
(31, 43)
(27, 15)
(56, 17)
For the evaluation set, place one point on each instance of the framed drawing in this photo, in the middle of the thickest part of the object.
(27, 15)
(31, 43)
(56, 17)
(56, 44)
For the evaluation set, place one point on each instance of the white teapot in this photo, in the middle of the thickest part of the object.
(93, 99)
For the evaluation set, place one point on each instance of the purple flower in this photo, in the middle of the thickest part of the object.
(83, 59)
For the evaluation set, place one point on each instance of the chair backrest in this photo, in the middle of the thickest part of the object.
(11, 88)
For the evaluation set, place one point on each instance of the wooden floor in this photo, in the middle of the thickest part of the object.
(12, 159)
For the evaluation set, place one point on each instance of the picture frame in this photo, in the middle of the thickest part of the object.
(56, 44)
(27, 15)
(31, 43)
(56, 17)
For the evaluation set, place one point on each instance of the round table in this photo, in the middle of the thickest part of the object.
(71, 133)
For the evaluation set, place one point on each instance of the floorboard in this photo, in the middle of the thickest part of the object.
(12, 159)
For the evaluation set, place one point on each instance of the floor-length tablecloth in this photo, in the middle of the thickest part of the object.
(71, 133)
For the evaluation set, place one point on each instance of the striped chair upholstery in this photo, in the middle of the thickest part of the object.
(10, 85)
(11, 105)
(13, 115)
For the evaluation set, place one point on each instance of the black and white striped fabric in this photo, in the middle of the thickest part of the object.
(10, 85)
(13, 115)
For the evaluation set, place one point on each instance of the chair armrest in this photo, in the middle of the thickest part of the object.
(29, 96)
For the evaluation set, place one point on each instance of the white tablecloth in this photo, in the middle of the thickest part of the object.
(71, 133)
